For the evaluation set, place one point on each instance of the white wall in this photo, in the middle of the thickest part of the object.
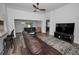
(66, 14)
(3, 15)
(18, 26)
(18, 14)
(47, 15)
(36, 24)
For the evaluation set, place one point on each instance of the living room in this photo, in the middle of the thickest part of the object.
(18, 16)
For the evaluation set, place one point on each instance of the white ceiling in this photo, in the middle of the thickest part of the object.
(28, 6)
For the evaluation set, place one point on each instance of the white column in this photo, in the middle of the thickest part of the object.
(11, 25)
(52, 24)
(43, 26)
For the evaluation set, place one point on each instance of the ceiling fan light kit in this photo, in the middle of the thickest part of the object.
(37, 9)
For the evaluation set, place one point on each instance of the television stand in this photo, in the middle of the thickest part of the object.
(64, 36)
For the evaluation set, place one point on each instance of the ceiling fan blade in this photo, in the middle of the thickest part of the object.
(35, 7)
(42, 9)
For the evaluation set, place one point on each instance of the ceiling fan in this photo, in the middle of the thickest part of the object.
(36, 7)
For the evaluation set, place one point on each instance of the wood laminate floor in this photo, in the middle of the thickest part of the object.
(19, 47)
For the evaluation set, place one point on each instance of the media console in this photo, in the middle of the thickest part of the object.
(65, 31)
(63, 36)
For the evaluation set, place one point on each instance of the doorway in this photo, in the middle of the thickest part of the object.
(47, 26)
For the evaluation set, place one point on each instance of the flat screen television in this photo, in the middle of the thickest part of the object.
(67, 28)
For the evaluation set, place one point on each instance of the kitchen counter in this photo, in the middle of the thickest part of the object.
(2, 34)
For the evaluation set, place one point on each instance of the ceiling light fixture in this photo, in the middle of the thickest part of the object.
(37, 10)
